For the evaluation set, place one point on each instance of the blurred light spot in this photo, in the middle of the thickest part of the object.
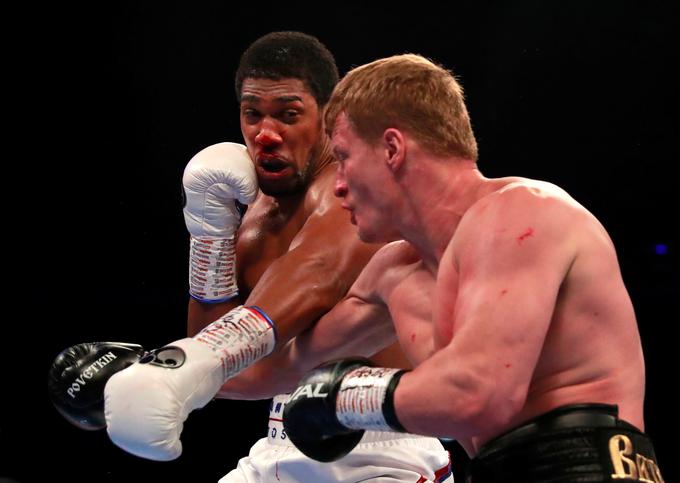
(661, 249)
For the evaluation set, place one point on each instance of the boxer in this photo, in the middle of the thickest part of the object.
(506, 295)
(265, 276)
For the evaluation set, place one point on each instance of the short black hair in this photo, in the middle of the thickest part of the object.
(295, 55)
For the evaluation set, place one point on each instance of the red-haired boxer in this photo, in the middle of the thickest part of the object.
(265, 278)
(506, 295)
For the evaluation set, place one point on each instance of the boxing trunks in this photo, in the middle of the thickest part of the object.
(379, 456)
(576, 443)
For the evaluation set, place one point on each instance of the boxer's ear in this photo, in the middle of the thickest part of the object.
(395, 148)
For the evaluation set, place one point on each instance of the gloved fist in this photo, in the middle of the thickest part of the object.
(78, 375)
(147, 403)
(309, 417)
(214, 180)
(327, 414)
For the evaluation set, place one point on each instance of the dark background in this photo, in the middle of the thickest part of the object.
(114, 100)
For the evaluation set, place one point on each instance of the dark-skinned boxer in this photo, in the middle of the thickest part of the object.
(295, 255)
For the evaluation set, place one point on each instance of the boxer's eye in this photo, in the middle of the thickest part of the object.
(251, 115)
(339, 154)
(290, 116)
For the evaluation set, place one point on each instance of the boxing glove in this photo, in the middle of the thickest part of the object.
(78, 375)
(327, 414)
(214, 181)
(146, 404)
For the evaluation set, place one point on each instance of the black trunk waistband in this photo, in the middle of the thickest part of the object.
(572, 416)
(575, 443)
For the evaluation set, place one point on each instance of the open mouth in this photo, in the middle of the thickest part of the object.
(273, 165)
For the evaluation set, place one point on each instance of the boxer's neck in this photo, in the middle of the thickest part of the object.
(322, 158)
(438, 199)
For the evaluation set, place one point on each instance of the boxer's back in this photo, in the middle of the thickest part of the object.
(591, 351)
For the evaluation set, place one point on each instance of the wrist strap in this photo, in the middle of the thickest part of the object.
(212, 269)
(240, 337)
(388, 404)
(364, 395)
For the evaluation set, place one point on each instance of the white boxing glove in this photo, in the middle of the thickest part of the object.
(213, 179)
(146, 404)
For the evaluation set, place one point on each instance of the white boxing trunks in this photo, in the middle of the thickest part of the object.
(379, 457)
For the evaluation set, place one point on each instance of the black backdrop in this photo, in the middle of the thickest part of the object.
(115, 98)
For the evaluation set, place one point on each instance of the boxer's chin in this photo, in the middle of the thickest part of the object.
(282, 187)
(286, 183)
(372, 236)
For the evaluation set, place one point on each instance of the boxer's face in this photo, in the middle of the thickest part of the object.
(364, 183)
(281, 125)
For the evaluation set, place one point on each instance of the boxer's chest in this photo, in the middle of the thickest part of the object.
(266, 233)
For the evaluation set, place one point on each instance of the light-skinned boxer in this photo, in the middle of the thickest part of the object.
(506, 295)
(265, 279)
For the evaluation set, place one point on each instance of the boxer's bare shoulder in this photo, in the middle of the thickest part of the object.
(397, 280)
(320, 196)
(530, 240)
(385, 271)
(511, 209)
(308, 231)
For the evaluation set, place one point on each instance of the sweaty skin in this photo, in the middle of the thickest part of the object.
(297, 252)
(506, 296)
(540, 319)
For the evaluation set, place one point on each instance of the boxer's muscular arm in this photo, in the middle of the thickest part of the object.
(359, 325)
(354, 327)
(213, 180)
(511, 260)
(325, 259)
